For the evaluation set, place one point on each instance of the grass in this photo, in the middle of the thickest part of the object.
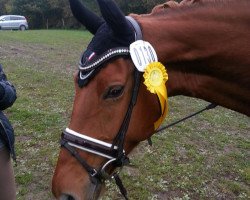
(206, 157)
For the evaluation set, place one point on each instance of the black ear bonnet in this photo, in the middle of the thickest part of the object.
(112, 36)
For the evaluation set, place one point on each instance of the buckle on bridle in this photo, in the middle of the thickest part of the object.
(93, 173)
(103, 172)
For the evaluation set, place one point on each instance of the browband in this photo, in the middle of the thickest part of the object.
(120, 51)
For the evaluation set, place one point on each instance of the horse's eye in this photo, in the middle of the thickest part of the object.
(114, 92)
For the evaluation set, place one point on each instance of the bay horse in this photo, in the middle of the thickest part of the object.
(205, 47)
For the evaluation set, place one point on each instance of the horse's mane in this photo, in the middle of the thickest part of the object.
(175, 7)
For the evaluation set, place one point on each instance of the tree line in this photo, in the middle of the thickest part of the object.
(56, 13)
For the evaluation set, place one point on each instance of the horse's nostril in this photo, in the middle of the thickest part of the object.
(67, 197)
(71, 198)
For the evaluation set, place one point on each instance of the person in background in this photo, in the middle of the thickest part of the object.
(7, 180)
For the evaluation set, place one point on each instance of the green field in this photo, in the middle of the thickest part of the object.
(207, 157)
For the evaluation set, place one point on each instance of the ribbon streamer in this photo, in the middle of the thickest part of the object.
(155, 76)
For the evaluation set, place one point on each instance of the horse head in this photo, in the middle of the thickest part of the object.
(110, 103)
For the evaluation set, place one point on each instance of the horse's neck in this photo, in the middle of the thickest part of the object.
(192, 33)
(206, 51)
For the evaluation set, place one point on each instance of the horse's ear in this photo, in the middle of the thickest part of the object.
(114, 17)
(87, 18)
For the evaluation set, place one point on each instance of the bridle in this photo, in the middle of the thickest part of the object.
(114, 153)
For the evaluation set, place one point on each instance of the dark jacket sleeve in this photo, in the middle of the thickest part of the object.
(7, 94)
(7, 98)
(7, 135)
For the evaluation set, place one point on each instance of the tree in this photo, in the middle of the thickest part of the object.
(57, 14)
(5, 7)
(40, 13)
(139, 7)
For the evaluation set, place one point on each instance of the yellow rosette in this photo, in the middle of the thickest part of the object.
(155, 76)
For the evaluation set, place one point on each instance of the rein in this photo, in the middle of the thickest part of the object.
(208, 107)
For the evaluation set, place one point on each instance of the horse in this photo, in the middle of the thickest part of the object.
(205, 49)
